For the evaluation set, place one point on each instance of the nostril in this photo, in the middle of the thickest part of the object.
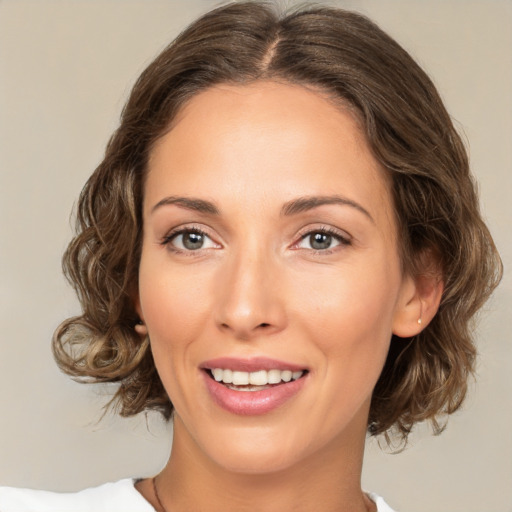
(245, 331)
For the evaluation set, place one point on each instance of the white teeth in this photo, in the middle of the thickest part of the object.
(240, 378)
(286, 375)
(258, 378)
(246, 388)
(274, 376)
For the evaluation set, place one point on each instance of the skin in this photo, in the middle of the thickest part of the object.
(257, 287)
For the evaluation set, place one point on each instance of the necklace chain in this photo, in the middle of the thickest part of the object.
(159, 501)
(160, 504)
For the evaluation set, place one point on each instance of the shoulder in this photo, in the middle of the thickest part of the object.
(382, 506)
(118, 496)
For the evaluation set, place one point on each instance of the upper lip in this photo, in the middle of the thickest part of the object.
(250, 364)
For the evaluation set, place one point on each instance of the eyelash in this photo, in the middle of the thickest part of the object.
(167, 239)
(343, 240)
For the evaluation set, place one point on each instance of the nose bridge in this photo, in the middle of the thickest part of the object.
(249, 300)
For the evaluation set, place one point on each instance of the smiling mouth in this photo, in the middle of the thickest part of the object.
(253, 381)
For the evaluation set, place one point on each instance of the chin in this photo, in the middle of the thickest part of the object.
(270, 461)
(255, 451)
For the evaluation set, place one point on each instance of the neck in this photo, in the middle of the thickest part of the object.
(328, 481)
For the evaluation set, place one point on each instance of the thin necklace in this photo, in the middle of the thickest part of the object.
(156, 494)
(160, 504)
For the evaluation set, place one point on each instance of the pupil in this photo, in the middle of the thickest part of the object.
(320, 241)
(193, 240)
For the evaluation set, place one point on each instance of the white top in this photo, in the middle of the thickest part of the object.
(119, 496)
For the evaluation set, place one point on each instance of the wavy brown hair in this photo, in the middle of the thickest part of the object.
(347, 56)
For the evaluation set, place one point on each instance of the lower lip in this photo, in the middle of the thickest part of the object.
(251, 403)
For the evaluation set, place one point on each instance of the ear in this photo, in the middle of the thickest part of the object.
(140, 326)
(419, 299)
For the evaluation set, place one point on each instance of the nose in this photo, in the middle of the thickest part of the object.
(250, 299)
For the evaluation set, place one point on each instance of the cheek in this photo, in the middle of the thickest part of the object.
(355, 298)
(174, 309)
(170, 300)
(351, 320)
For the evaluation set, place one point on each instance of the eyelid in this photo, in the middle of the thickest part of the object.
(342, 236)
(187, 228)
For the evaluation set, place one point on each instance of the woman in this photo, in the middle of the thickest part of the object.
(281, 250)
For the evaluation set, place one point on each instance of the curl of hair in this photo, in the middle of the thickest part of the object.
(358, 66)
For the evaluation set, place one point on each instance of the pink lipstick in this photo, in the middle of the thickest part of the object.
(252, 386)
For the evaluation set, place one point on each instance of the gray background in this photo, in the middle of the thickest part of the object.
(65, 70)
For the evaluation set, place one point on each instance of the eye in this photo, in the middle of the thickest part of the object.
(189, 240)
(322, 240)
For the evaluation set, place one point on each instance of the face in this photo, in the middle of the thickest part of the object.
(269, 254)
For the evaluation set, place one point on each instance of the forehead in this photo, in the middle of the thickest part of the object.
(262, 141)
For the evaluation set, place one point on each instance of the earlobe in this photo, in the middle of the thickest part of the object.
(140, 326)
(418, 304)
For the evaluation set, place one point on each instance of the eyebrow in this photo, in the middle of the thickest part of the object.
(303, 204)
(189, 203)
(294, 207)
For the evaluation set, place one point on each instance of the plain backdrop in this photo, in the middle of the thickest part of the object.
(65, 71)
